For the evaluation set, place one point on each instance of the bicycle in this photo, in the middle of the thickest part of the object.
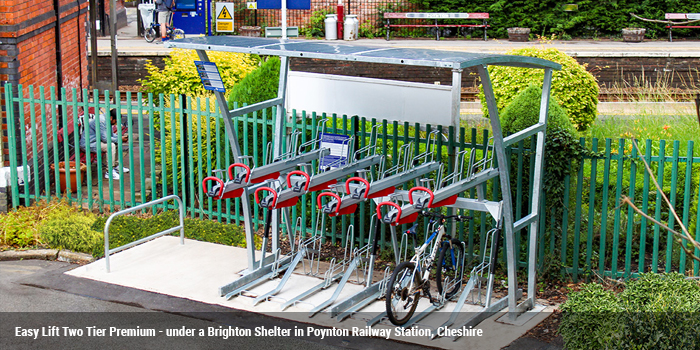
(411, 278)
(154, 31)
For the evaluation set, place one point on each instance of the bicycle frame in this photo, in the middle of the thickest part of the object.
(423, 264)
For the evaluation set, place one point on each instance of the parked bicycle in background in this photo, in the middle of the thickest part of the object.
(152, 26)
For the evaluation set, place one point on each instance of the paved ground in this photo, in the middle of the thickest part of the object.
(37, 294)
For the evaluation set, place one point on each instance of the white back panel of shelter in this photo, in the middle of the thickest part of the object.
(369, 98)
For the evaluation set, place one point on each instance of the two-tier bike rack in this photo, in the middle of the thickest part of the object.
(457, 62)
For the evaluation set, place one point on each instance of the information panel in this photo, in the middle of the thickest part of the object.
(209, 73)
(338, 145)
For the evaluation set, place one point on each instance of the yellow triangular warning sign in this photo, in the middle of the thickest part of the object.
(224, 14)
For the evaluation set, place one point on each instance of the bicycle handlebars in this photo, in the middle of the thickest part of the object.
(445, 217)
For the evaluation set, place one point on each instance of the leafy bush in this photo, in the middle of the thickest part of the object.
(71, 230)
(561, 144)
(657, 311)
(574, 87)
(21, 227)
(260, 85)
(316, 26)
(524, 111)
(179, 76)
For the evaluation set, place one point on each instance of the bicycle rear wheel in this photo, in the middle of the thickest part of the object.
(150, 35)
(449, 268)
(178, 34)
(402, 293)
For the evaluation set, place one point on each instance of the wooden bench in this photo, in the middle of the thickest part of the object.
(435, 16)
(690, 17)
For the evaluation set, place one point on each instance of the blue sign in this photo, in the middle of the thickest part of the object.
(291, 4)
(338, 144)
(209, 73)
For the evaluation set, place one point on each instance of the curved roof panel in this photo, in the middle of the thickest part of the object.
(341, 51)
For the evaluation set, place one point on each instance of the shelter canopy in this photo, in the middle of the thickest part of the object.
(341, 51)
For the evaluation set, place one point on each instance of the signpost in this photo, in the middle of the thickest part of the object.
(209, 73)
(224, 17)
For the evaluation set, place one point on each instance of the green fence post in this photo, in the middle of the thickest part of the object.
(604, 210)
(670, 239)
(686, 201)
(12, 140)
(645, 208)
(630, 213)
(142, 154)
(76, 144)
(577, 214)
(657, 212)
(618, 210)
(35, 146)
(45, 139)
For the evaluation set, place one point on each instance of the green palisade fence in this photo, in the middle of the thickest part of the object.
(174, 142)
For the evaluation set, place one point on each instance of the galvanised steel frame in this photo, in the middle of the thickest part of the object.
(456, 61)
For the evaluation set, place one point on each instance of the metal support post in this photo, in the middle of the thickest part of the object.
(537, 186)
(503, 169)
(236, 152)
(456, 97)
(278, 141)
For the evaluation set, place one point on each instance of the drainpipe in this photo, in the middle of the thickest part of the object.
(59, 63)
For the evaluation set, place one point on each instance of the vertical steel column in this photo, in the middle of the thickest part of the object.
(504, 177)
(456, 98)
(277, 144)
(236, 152)
(537, 186)
(455, 120)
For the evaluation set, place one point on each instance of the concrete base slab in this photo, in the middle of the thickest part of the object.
(523, 318)
(196, 270)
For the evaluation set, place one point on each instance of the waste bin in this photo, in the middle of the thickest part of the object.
(331, 23)
(350, 27)
(147, 12)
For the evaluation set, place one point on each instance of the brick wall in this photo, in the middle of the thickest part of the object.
(42, 43)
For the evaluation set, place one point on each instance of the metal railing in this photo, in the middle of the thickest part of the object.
(584, 229)
(180, 227)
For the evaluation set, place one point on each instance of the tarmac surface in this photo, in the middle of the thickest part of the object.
(41, 294)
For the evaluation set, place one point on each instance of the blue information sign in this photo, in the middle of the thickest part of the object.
(338, 144)
(209, 73)
(291, 4)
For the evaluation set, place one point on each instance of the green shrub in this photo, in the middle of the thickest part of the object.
(524, 111)
(589, 319)
(71, 231)
(574, 88)
(657, 311)
(316, 26)
(21, 227)
(260, 85)
(562, 147)
(179, 76)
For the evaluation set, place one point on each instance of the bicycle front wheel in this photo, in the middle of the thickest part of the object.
(150, 35)
(178, 34)
(449, 268)
(402, 293)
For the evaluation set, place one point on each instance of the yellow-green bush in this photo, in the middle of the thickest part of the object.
(179, 76)
(575, 88)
